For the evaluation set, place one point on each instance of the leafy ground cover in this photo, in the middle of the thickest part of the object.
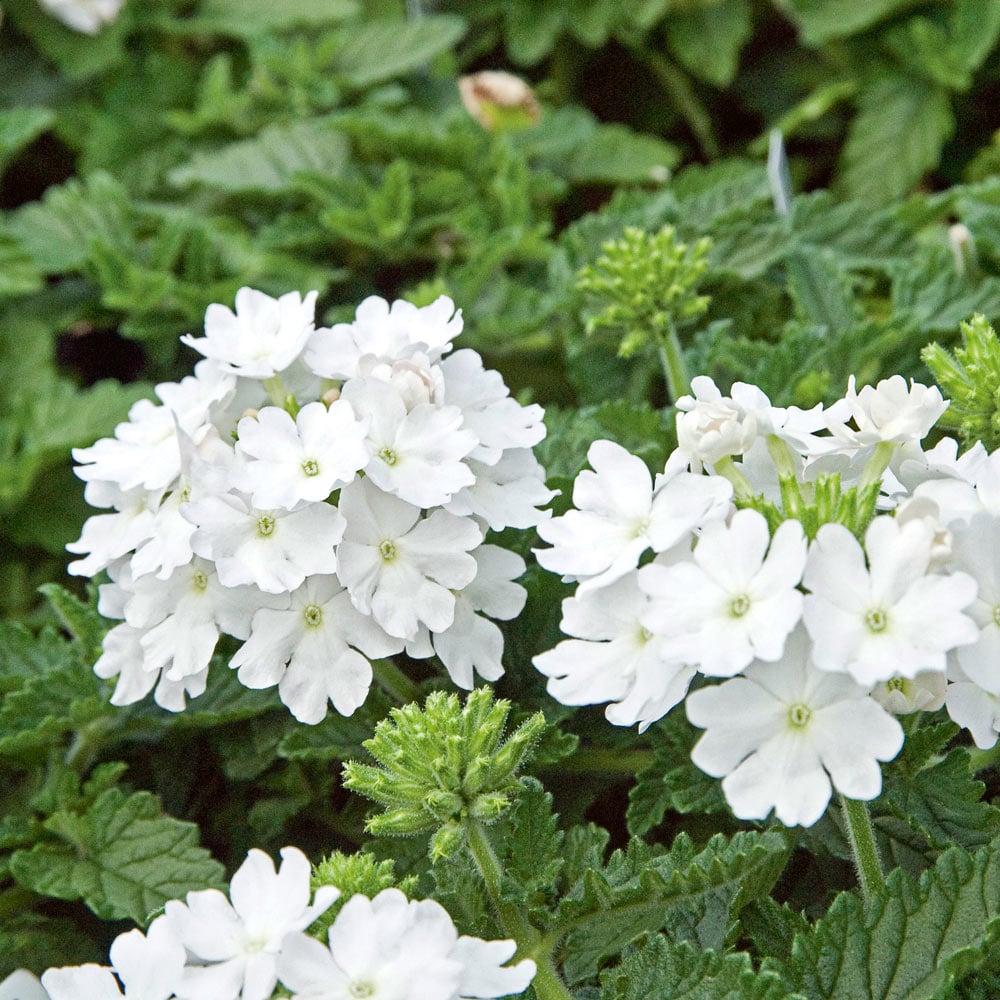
(612, 231)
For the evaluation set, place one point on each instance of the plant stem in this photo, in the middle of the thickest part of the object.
(683, 97)
(547, 983)
(674, 369)
(394, 682)
(863, 846)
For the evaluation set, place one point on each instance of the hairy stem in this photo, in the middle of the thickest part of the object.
(547, 983)
(863, 846)
(394, 682)
(674, 369)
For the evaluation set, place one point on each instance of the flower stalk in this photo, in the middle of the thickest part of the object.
(861, 836)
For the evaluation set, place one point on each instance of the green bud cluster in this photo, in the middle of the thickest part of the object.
(442, 766)
(970, 378)
(645, 284)
(359, 874)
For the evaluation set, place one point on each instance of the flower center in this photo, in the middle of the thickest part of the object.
(265, 525)
(361, 990)
(310, 467)
(644, 635)
(387, 550)
(896, 684)
(313, 615)
(200, 580)
(799, 715)
(739, 606)
(388, 456)
(876, 620)
(996, 614)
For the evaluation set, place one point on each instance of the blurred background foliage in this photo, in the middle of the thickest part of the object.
(191, 148)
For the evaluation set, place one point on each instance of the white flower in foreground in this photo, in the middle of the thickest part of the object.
(890, 411)
(973, 707)
(507, 494)
(737, 596)
(389, 948)
(903, 696)
(274, 549)
(620, 514)
(261, 338)
(384, 333)
(473, 643)
(976, 547)
(306, 650)
(416, 454)
(107, 537)
(400, 568)
(779, 735)
(87, 16)
(287, 461)
(150, 967)
(891, 617)
(613, 657)
(234, 943)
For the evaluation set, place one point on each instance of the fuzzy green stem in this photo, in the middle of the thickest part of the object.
(674, 369)
(742, 487)
(394, 682)
(863, 846)
(877, 464)
(547, 983)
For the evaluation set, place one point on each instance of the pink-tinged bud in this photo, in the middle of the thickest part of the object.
(500, 102)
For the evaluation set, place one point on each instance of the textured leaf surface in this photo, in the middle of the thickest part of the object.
(914, 940)
(122, 857)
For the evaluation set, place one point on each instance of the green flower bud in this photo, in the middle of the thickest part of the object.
(970, 377)
(644, 285)
(443, 765)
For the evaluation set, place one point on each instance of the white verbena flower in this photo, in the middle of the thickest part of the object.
(620, 513)
(615, 658)
(307, 651)
(273, 549)
(391, 948)
(286, 461)
(903, 695)
(401, 568)
(261, 338)
(234, 943)
(150, 967)
(780, 734)
(890, 412)
(737, 596)
(890, 617)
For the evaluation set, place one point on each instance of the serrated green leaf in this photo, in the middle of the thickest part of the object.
(373, 51)
(24, 655)
(666, 970)
(821, 291)
(81, 619)
(122, 857)
(820, 21)
(36, 942)
(913, 941)
(19, 274)
(57, 231)
(697, 892)
(270, 161)
(896, 137)
(707, 38)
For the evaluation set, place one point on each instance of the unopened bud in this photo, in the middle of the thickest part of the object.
(250, 411)
(963, 249)
(331, 395)
(500, 102)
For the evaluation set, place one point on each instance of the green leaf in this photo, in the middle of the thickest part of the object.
(36, 942)
(19, 127)
(270, 161)
(820, 21)
(671, 781)
(81, 620)
(373, 51)
(696, 892)
(821, 291)
(667, 970)
(614, 154)
(24, 655)
(57, 231)
(707, 38)
(234, 17)
(896, 137)
(913, 941)
(19, 275)
(122, 857)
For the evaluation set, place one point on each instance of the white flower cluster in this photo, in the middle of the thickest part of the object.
(213, 948)
(321, 494)
(804, 642)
